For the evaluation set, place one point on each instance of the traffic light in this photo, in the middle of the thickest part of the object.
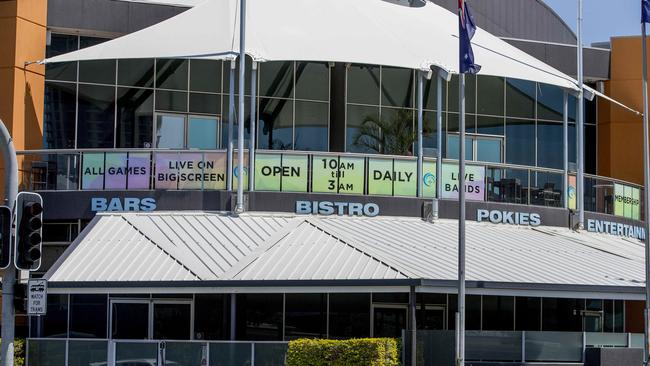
(5, 236)
(29, 221)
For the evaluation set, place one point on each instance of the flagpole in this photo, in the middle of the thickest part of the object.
(460, 331)
(581, 127)
(240, 139)
(646, 186)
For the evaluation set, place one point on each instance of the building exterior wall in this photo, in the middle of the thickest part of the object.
(620, 153)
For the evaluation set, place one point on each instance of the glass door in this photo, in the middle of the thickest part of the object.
(388, 320)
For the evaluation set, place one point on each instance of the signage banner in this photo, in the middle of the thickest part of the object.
(139, 170)
(216, 166)
(37, 297)
(331, 174)
(429, 179)
(380, 177)
(573, 204)
(474, 182)
(189, 171)
(405, 173)
(92, 177)
(627, 201)
(235, 171)
(286, 173)
(116, 171)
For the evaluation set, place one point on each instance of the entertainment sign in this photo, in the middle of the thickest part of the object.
(615, 228)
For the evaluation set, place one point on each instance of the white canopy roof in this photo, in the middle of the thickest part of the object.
(361, 31)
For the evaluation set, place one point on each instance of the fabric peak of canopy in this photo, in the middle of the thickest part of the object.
(362, 31)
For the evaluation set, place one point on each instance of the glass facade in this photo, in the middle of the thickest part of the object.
(107, 104)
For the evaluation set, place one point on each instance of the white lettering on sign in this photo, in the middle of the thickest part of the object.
(37, 297)
(615, 228)
(337, 208)
(100, 204)
(509, 217)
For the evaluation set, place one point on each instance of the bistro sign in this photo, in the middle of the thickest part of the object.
(337, 208)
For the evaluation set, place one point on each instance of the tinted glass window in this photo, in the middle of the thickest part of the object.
(88, 316)
(311, 130)
(546, 189)
(358, 139)
(429, 133)
(520, 98)
(349, 315)
(470, 94)
(520, 142)
(96, 116)
(276, 79)
(130, 320)
(489, 150)
(363, 84)
(498, 312)
(55, 323)
(171, 321)
(312, 81)
(490, 125)
(562, 315)
(398, 136)
(275, 124)
(60, 44)
(226, 76)
(591, 149)
(99, 71)
(529, 312)
(205, 103)
(202, 133)
(171, 101)
(305, 316)
(59, 115)
(205, 76)
(135, 72)
(397, 87)
(171, 74)
(473, 312)
(134, 117)
(490, 91)
(431, 93)
(170, 132)
(211, 317)
(550, 102)
(247, 116)
(550, 144)
(259, 316)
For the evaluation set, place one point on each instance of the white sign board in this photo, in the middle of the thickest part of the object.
(37, 297)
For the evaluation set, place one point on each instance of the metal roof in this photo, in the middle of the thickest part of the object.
(150, 247)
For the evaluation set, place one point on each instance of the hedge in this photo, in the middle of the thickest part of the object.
(327, 352)
(19, 351)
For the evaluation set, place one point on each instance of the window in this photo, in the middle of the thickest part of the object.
(305, 316)
(520, 142)
(563, 315)
(363, 84)
(135, 72)
(60, 232)
(550, 144)
(211, 317)
(60, 44)
(498, 313)
(88, 314)
(520, 98)
(275, 124)
(311, 126)
(205, 76)
(550, 102)
(349, 315)
(96, 116)
(130, 319)
(477, 148)
(397, 87)
(134, 117)
(312, 81)
(489, 93)
(259, 317)
(172, 74)
(360, 138)
(171, 320)
(59, 115)
(55, 323)
(170, 132)
(202, 133)
(192, 132)
(528, 313)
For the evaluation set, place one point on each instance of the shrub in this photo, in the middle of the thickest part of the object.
(327, 352)
(19, 351)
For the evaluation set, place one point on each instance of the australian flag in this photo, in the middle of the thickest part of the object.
(645, 11)
(467, 28)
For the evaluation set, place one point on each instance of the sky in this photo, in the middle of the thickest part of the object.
(601, 18)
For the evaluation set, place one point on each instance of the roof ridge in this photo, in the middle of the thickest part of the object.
(173, 256)
(360, 247)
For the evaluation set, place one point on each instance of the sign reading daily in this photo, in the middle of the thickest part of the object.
(474, 182)
(392, 177)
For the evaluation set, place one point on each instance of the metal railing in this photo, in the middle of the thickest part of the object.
(144, 169)
(104, 352)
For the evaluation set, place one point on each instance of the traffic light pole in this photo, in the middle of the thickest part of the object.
(9, 276)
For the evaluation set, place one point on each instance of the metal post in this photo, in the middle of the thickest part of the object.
(646, 201)
(9, 277)
(240, 139)
(413, 325)
(231, 125)
(565, 136)
(439, 137)
(460, 357)
(253, 135)
(420, 149)
(581, 127)
(233, 316)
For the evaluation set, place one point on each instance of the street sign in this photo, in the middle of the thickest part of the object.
(37, 297)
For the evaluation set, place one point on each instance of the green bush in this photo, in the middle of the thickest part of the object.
(351, 352)
(19, 351)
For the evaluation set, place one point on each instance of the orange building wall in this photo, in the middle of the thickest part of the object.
(23, 37)
(620, 132)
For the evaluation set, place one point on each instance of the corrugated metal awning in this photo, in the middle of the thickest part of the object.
(126, 249)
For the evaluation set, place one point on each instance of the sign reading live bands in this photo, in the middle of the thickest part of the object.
(474, 182)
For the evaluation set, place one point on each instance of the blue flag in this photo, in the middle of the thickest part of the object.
(466, 30)
(645, 11)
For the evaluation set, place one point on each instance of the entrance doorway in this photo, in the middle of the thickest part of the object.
(151, 319)
(388, 320)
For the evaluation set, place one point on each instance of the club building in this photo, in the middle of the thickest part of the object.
(340, 236)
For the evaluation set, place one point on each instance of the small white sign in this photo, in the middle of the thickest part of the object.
(37, 297)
